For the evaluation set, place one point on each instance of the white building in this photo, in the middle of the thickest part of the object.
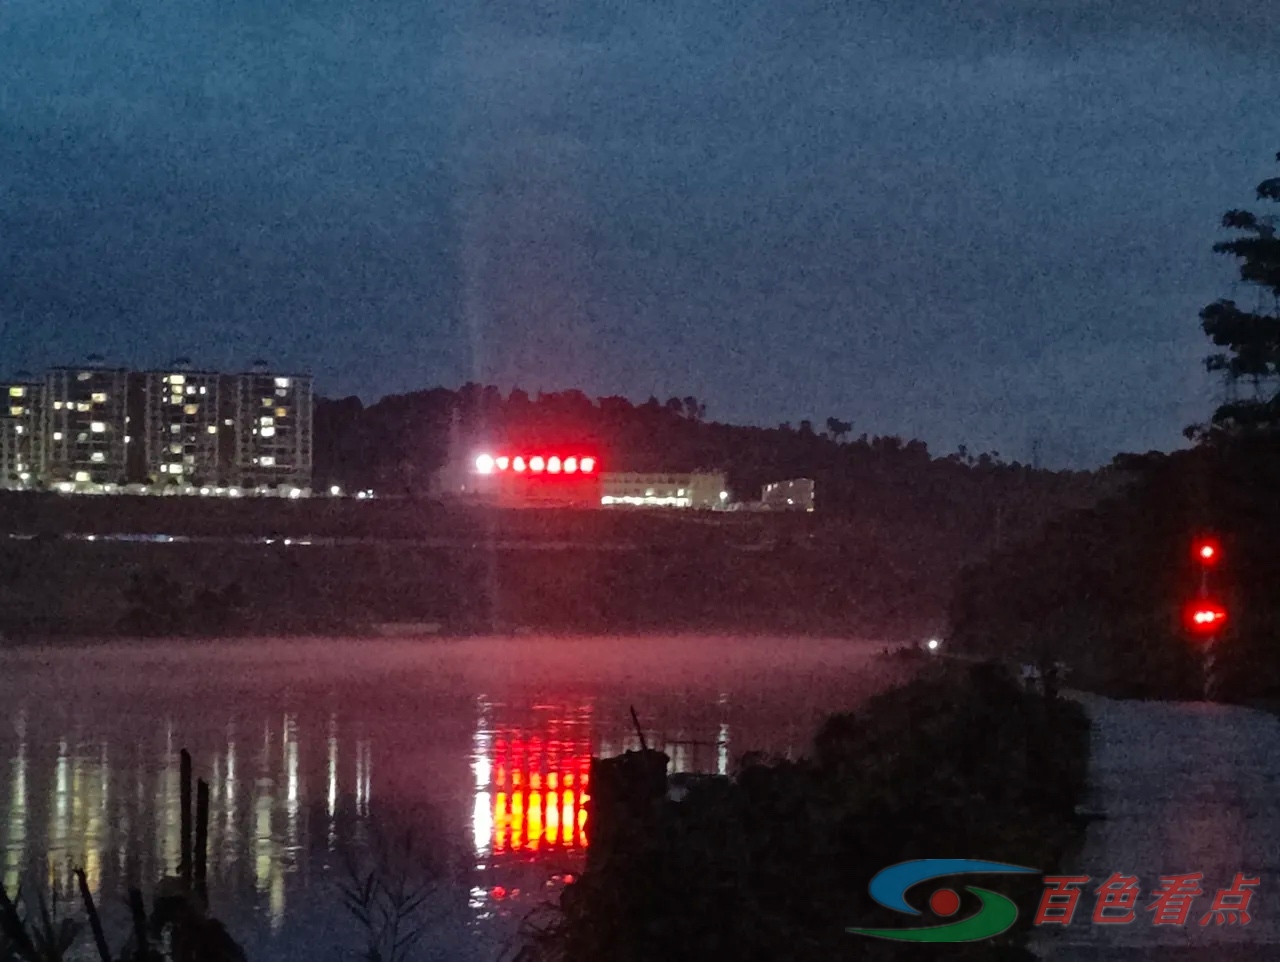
(21, 433)
(794, 495)
(273, 432)
(697, 490)
(181, 429)
(86, 427)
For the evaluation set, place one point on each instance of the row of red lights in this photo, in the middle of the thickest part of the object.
(487, 464)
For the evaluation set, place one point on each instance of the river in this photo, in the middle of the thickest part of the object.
(465, 760)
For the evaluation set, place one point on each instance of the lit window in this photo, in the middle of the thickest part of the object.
(99, 397)
(82, 406)
(203, 389)
(176, 379)
(175, 398)
(97, 427)
(82, 436)
(191, 409)
(16, 409)
(128, 439)
(57, 405)
(213, 429)
(17, 392)
(175, 469)
(267, 461)
(267, 421)
(175, 449)
(191, 389)
(82, 476)
(268, 432)
(83, 376)
(19, 429)
(282, 412)
(175, 428)
(57, 435)
(267, 402)
(281, 392)
(228, 422)
(282, 382)
(97, 456)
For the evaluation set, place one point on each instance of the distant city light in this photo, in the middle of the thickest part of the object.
(553, 465)
(335, 490)
(588, 465)
(536, 463)
(934, 644)
(503, 463)
(518, 464)
(484, 464)
(570, 465)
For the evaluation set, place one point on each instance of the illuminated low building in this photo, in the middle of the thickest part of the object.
(794, 495)
(86, 427)
(21, 433)
(700, 490)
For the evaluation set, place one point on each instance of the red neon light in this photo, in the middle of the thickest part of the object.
(536, 463)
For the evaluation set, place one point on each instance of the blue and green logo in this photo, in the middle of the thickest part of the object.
(996, 915)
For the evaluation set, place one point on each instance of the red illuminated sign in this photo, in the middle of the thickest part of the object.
(535, 464)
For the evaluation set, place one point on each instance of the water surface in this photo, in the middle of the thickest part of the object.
(317, 749)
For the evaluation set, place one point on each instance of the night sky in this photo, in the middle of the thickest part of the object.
(983, 223)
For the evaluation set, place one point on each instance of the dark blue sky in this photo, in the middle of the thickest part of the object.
(980, 225)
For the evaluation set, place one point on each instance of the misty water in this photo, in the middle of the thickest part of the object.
(317, 750)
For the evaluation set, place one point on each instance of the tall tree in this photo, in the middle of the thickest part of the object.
(1251, 338)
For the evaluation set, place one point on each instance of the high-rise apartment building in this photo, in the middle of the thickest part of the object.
(86, 426)
(182, 427)
(21, 432)
(273, 431)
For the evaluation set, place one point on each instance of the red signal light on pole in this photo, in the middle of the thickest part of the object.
(1206, 617)
(1207, 551)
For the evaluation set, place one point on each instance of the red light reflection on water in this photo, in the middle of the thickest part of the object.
(539, 793)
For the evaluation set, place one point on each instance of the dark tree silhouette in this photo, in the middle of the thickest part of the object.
(1251, 338)
(839, 430)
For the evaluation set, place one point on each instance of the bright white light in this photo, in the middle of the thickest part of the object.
(518, 464)
(335, 490)
(536, 463)
(724, 495)
(484, 464)
(588, 464)
(570, 465)
(295, 492)
(934, 644)
(503, 463)
(97, 427)
(553, 465)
